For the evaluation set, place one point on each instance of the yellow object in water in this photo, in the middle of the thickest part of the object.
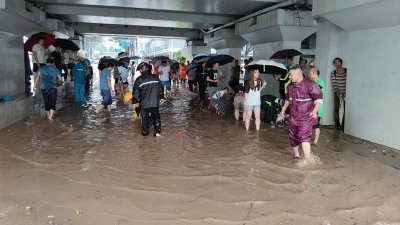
(127, 96)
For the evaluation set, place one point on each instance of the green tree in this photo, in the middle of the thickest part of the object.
(178, 55)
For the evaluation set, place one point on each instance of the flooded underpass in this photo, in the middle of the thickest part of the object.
(84, 169)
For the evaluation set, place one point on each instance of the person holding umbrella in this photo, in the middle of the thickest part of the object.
(164, 72)
(56, 56)
(284, 80)
(255, 85)
(39, 55)
(252, 101)
(304, 98)
(213, 77)
(192, 76)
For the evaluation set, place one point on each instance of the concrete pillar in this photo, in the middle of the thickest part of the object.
(225, 41)
(274, 31)
(265, 51)
(195, 47)
(327, 49)
(227, 69)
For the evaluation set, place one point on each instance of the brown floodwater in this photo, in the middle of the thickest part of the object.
(85, 169)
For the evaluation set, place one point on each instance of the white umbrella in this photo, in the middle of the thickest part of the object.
(267, 66)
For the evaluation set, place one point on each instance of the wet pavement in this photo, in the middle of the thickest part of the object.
(85, 169)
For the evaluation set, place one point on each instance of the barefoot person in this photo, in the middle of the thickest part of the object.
(148, 91)
(304, 97)
(253, 98)
(48, 75)
(105, 87)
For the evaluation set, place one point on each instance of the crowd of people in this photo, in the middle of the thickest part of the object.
(301, 91)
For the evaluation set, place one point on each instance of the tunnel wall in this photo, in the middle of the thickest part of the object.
(12, 72)
(371, 59)
(373, 101)
(12, 80)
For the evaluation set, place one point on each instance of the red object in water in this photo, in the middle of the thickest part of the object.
(47, 37)
(179, 134)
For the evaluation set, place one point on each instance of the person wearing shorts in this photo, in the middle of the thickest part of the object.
(238, 103)
(38, 55)
(253, 98)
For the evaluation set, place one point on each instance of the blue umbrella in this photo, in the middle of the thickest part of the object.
(192, 67)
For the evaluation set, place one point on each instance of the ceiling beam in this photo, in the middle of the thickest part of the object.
(82, 28)
(129, 13)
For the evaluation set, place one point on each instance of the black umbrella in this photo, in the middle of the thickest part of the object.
(267, 66)
(204, 59)
(285, 53)
(192, 67)
(221, 59)
(200, 56)
(105, 61)
(157, 61)
(65, 44)
(175, 64)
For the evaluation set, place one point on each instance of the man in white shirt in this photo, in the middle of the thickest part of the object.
(163, 71)
(39, 55)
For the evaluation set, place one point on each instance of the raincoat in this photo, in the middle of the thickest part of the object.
(302, 97)
(79, 72)
(147, 91)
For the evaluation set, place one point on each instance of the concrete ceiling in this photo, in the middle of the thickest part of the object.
(184, 17)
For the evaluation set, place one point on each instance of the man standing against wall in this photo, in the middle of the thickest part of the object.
(338, 77)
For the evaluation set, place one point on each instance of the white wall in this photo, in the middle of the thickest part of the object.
(331, 40)
(373, 96)
(12, 71)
